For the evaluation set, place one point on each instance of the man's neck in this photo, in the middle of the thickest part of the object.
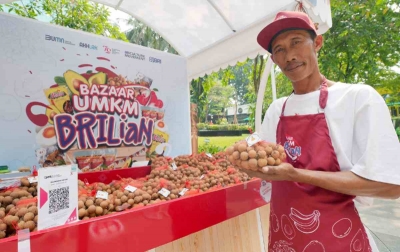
(309, 84)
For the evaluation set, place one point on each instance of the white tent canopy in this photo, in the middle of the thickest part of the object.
(212, 34)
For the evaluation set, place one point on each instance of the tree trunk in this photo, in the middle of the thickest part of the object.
(235, 121)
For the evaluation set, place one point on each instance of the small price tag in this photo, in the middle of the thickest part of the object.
(253, 139)
(174, 167)
(33, 179)
(102, 195)
(9, 183)
(184, 190)
(130, 188)
(209, 155)
(202, 176)
(164, 192)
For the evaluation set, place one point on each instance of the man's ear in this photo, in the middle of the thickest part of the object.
(319, 42)
(272, 57)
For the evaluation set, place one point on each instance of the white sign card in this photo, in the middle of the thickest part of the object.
(57, 196)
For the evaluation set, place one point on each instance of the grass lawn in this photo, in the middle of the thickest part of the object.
(222, 141)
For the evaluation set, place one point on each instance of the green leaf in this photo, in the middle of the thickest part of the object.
(60, 80)
(385, 10)
(155, 89)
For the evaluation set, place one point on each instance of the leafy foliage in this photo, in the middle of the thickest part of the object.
(363, 44)
(210, 148)
(77, 14)
(144, 35)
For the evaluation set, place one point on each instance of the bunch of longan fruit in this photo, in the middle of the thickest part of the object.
(256, 156)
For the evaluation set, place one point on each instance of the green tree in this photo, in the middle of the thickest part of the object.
(238, 77)
(199, 89)
(143, 35)
(78, 14)
(219, 98)
(363, 43)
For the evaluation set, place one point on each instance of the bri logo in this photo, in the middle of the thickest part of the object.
(292, 149)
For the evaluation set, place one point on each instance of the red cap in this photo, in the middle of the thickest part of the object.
(284, 20)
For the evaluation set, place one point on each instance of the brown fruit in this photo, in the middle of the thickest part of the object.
(22, 211)
(236, 155)
(3, 227)
(29, 217)
(281, 149)
(117, 202)
(124, 199)
(33, 209)
(231, 159)
(242, 147)
(14, 195)
(262, 153)
(131, 202)
(271, 161)
(275, 154)
(262, 162)
(81, 204)
(283, 156)
(244, 156)
(7, 200)
(278, 161)
(36, 218)
(268, 150)
(12, 211)
(99, 211)
(104, 204)
(230, 150)
(252, 154)
(2, 234)
(81, 213)
(88, 203)
(259, 148)
(253, 163)
(238, 162)
(30, 224)
(91, 209)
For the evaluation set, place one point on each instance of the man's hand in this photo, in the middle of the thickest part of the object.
(345, 182)
(282, 172)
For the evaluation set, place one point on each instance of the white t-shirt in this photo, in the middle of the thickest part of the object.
(363, 136)
(360, 127)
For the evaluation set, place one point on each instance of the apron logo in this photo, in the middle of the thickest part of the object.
(293, 151)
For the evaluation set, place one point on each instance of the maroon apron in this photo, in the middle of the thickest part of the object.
(306, 218)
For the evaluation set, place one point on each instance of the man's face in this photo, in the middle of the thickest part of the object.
(296, 54)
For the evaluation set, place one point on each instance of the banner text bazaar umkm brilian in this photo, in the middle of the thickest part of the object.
(102, 109)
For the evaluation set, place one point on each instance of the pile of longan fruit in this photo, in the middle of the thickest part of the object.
(256, 156)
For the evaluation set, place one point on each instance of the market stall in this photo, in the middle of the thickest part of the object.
(102, 107)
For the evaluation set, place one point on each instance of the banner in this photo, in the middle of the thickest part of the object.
(71, 97)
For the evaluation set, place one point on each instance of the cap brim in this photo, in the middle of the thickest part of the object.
(266, 35)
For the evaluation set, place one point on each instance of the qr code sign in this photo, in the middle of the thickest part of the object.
(59, 199)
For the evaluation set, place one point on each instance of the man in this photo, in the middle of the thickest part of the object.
(339, 141)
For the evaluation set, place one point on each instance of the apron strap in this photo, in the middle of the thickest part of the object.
(323, 96)
(323, 93)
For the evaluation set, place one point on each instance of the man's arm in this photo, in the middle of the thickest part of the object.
(345, 182)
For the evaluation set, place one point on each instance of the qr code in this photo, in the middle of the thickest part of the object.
(59, 199)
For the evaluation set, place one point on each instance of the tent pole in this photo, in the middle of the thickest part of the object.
(273, 82)
(260, 95)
